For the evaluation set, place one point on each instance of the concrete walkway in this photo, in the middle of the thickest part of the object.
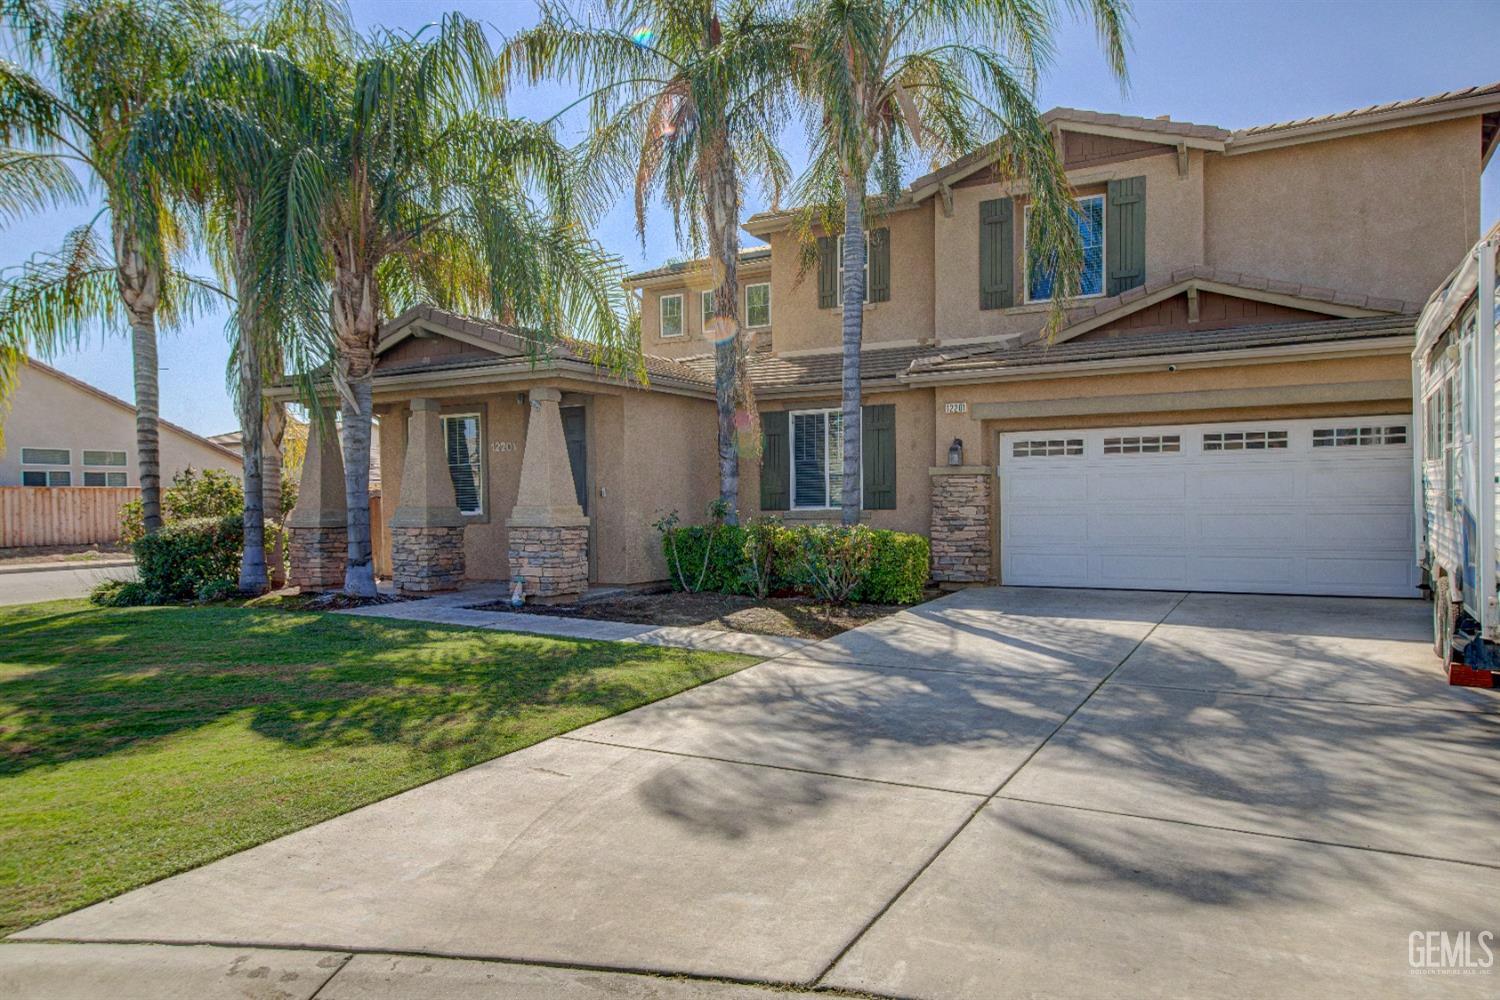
(1001, 793)
(457, 608)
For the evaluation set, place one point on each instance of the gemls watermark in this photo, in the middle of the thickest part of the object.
(1450, 953)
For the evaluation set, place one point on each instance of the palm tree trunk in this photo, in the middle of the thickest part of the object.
(253, 576)
(355, 330)
(140, 288)
(854, 319)
(730, 341)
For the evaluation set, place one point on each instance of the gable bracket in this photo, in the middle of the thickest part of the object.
(1182, 159)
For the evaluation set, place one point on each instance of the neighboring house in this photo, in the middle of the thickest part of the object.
(60, 431)
(1227, 406)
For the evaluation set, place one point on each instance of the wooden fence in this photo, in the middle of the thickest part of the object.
(61, 515)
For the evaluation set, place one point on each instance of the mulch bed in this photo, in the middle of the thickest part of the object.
(290, 599)
(800, 617)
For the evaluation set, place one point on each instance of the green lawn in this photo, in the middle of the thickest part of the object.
(139, 742)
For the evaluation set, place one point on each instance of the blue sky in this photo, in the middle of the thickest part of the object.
(1227, 64)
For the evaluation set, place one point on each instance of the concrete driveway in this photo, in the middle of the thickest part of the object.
(1005, 792)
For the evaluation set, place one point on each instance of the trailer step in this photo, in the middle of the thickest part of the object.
(1463, 675)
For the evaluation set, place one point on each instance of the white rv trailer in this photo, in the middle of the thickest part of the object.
(1454, 389)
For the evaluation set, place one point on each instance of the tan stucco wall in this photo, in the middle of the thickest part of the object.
(49, 412)
(1174, 239)
(691, 288)
(914, 429)
(1383, 214)
(906, 318)
(648, 453)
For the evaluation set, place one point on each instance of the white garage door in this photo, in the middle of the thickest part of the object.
(1286, 507)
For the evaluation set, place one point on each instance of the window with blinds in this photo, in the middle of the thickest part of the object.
(465, 460)
(817, 459)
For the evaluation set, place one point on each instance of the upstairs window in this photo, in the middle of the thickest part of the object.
(708, 310)
(104, 458)
(758, 306)
(104, 478)
(865, 272)
(465, 460)
(671, 315)
(46, 456)
(1041, 275)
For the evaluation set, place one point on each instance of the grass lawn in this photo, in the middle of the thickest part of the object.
(140, 742)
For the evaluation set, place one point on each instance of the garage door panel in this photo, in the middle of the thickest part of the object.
(1126, 527)
(1139, 484)
(1142, 569)
(1360, 528)
(1249, 527)
(1244, 572)
(1245, 480)
(1050, 526)
(1295, 519)
(1049, 569)
(1387, 480)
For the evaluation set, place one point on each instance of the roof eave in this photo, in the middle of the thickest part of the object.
(1368, 346)
(1322, 131)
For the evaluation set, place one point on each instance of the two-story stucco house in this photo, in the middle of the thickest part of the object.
(1226, 408)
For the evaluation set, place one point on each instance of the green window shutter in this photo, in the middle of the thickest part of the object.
(775, 461)
(1125, 234)
(996, 254)
(880, 265)
(878, 456)
(828, 272)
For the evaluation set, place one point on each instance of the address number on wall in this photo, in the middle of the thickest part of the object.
(503, 446)
(955, 407)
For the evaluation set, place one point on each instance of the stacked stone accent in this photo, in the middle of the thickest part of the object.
(425, 559)
(550, 562)
(961, 524)
(318, 557)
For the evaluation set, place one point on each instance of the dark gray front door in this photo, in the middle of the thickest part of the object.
(574, 435)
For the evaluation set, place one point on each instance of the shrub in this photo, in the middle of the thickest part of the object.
(193, 494)
(185, 557)
(899, 567)
(122, 594)
(217, 590)
(761, 545)
(835, 560)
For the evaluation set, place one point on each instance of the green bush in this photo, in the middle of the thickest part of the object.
(183, 558)
(193, 494)
(122, 594)
(836, 560)
(765, 556)
(899, 568)
(217, 590)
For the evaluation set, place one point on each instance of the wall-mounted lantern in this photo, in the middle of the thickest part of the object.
(956, 452)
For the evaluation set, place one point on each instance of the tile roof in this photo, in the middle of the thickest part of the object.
(1005, 357)
(1164, 125)
(773, 372)
(748, 255)
(1414, 103)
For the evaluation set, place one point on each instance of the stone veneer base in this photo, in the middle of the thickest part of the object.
(318, 557)
(550, 562)
(961, 528)
(424, 560)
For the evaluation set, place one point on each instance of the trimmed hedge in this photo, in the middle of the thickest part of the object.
(190, 559)
(768, 556)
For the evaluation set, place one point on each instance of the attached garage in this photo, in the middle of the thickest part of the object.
(1320, 506)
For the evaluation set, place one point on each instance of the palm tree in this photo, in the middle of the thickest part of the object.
(884, 80)
(213, 141)
(91, 67)
(400, 181)
(685, 97)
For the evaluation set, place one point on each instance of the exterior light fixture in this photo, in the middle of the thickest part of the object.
(956, 452)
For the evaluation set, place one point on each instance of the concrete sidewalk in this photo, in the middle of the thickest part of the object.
(1000, 793)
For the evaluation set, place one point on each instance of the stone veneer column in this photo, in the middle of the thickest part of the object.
(318, 527)
(427, 530)
(549, 533)
(961, 523)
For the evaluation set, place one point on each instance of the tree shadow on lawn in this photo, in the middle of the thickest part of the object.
(83, 684)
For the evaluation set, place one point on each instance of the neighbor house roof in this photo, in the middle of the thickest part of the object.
(992, 360)
(127, 407)
(784, 374)
(748, 255)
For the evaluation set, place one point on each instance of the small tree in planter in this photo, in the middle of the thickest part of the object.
(675, 539)
(835, 561)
